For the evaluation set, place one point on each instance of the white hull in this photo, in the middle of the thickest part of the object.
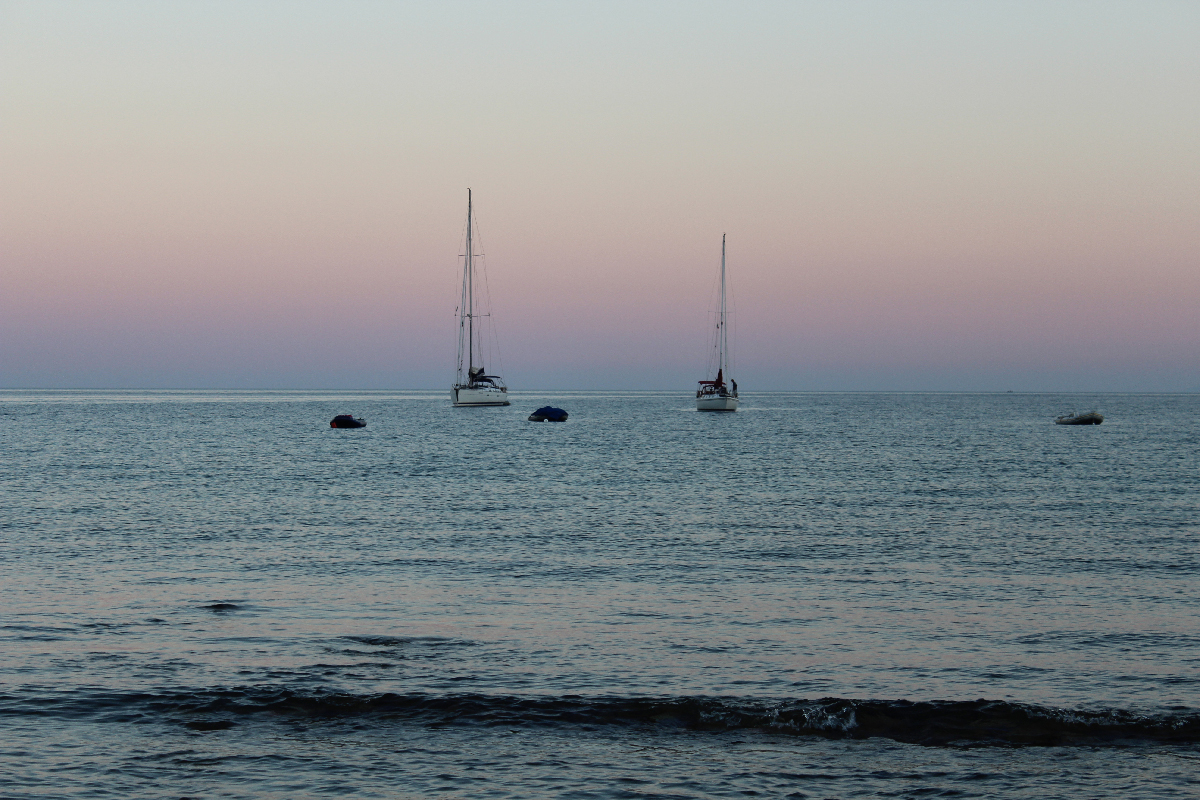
(461, 396)
(716, 403)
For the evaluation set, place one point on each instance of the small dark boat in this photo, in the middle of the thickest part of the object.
(346, 421)
(548, 414)
(1090, 418)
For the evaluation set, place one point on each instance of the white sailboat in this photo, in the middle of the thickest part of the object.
(716, 394)
(473, 387)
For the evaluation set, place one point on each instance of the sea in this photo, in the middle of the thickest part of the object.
(213, 594)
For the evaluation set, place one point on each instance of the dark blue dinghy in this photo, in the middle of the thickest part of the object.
(346, 421)
(1090, 418)
(548, 414)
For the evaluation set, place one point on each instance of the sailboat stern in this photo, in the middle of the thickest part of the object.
(463, 396)
(715, 402)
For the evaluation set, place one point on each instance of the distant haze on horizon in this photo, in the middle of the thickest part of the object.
(917, 196)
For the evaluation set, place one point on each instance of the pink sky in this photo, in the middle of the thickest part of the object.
(917, 196)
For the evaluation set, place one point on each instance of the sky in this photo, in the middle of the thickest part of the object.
(939, 196)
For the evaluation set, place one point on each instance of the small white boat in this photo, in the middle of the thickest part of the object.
(473, 386)
(716, 394)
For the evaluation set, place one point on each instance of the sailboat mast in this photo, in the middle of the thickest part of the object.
(470, 294)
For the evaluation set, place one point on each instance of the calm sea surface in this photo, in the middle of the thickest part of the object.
(216, 595)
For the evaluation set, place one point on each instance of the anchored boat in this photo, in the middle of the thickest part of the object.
(548, 414)
(473, 386)
(716, 394)
(1089, 418)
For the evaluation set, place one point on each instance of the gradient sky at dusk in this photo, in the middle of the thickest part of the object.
(917, 195)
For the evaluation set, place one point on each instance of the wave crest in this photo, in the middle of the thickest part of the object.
(977, 722)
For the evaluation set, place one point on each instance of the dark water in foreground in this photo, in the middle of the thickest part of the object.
(861, 595)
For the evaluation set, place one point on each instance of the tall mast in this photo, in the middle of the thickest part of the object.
(721, 323)
(470, 295)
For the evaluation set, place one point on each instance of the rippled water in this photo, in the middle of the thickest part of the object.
(822, 595)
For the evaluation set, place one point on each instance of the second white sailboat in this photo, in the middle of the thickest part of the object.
(717, 394)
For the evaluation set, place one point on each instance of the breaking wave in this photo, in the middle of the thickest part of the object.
(963, 723)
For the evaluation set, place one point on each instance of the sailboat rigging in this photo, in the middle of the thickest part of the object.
(474, 387)
(716, 394)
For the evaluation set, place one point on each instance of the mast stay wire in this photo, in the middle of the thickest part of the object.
(459, 284)
(493, 342)
(712, 333)
(731, 324)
